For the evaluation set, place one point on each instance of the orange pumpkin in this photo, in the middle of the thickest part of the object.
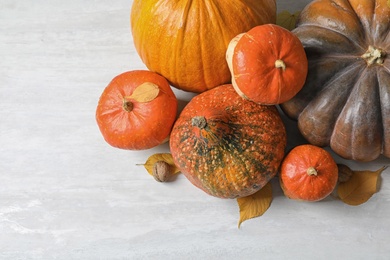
(268, 64)
(228, 146)
(186, 41)
(308, 173)
(129, 117)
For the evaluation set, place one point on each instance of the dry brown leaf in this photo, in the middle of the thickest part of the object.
(145, 92)
(360, 187)
(256, 204)
(166, 157)
(287, 20)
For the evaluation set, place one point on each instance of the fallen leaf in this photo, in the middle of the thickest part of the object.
(287, 20)
(145, 92)
(360, 187)
(256, 204)
(166, 157)
(388, 3)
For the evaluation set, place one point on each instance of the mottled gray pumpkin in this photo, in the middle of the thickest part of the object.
(345, 102)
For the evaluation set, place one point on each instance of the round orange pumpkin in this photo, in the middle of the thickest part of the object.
(308, 173)
(186, 41)
(345, 102)
(268, 64)
(129, 117)
(228, 146)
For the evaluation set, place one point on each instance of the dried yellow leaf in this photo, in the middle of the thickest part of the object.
(360, 187)
(287, 20)
(166, 157)
(256, 204)
(145, 92)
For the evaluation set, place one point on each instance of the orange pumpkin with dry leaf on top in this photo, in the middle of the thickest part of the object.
(136, 110)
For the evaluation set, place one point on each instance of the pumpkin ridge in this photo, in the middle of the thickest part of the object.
(220, 21)
(329, 98)
(180, 39)
(338, 6)
(363, 119)
(309, 26)
(386, 65)
(386, 41)
(383, 81)
(203, 49)
(354, 66)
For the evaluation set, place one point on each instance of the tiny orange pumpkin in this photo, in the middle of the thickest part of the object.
(308, 173)
(268, 64)
(136, 110)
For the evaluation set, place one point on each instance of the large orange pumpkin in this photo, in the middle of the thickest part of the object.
(345, 102)
(226, 145)
(186, 41)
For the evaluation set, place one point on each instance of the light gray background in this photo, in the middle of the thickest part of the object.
(66, 194)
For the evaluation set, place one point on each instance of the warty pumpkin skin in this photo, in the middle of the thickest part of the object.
(186, 41)
(345, 102)
(226, 145)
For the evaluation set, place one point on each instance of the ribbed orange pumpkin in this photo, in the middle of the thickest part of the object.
(186, 41)
(226, 145)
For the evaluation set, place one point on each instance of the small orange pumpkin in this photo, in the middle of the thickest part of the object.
(268, 64)
(186, 41)
(308, 173)
(228, 146)
(129, 117)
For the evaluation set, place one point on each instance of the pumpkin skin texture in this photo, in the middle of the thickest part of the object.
(227, 146)
(345, 102)
(186, 41)
(268, 64)
(308, 173)
(126, 123)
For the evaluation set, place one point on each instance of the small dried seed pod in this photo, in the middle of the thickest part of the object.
(345, 172)
(161, 171)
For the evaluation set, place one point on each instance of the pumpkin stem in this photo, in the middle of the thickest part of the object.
(199, 121)
(311, 171)
(374, 55)
(280, 64)
(127, 105)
